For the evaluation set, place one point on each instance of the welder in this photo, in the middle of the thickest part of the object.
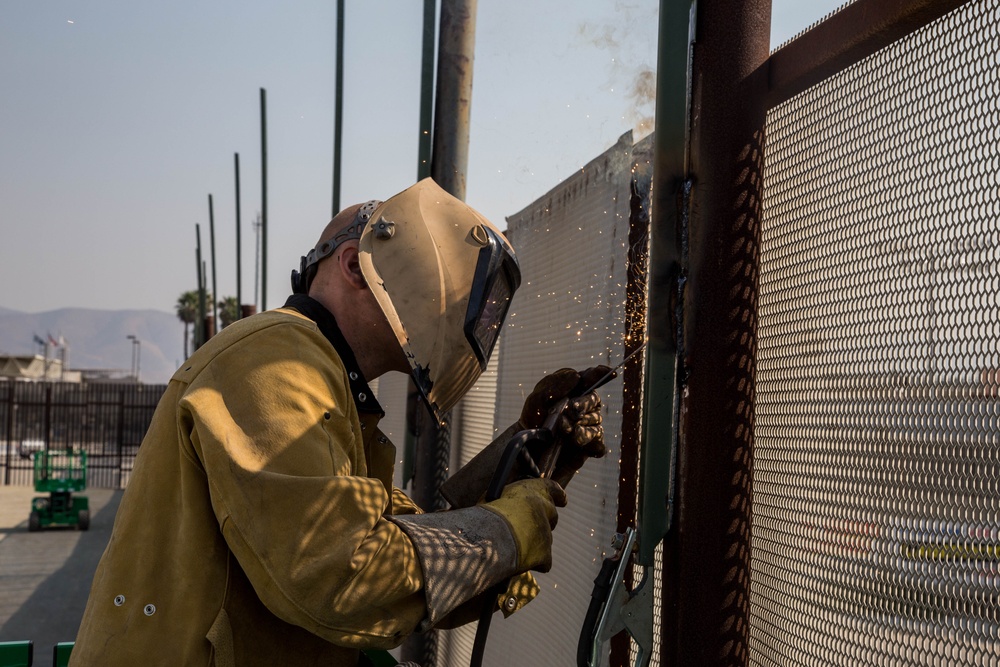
(260, 525)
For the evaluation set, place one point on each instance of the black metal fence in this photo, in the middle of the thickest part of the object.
(108, 421)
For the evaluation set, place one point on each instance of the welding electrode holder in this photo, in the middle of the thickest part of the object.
(517, 450)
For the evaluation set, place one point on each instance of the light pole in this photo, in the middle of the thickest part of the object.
(136, 352)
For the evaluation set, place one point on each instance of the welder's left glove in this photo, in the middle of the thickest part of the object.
(578, 428)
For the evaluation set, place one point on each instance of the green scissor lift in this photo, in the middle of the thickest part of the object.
(60, 474)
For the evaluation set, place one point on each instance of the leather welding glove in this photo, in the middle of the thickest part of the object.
(529, 506)
(578, 428)
(466, 552)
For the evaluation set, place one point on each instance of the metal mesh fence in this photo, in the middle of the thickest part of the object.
(876, 530)
(108, 421)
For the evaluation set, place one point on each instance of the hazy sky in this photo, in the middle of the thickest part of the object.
(119, 118)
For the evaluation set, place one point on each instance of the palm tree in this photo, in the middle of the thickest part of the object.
(187, 312)
(229, 310)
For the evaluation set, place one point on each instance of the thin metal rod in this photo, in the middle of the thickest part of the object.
(200, 326)
(426, 92)
(239, 269)
(256, 259)
(215, 289)
(338, 112)
(263, 199)
(205, 323)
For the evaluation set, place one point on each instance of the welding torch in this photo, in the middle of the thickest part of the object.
(517, 452)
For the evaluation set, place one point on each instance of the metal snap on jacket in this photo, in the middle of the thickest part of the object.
(353, 375)
(382, 439)
(119, 600)
(362, 397)
(510, 603)
(149, 610)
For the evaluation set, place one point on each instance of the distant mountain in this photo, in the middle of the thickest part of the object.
(96, 339)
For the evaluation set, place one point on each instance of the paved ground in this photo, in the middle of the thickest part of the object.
(45, 576)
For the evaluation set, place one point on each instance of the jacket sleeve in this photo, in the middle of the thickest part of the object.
(273, 424)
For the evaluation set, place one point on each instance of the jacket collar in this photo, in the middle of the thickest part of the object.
(364, 397)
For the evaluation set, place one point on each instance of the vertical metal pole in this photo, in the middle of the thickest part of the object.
(215, 291)
(456, 47)
(209, 320)
(707, 559)
(423, 171)
(48, 416)
(239, 266)
(199, 330)
(451, 140)
(338, 118)
(263, 199)
(426, 92)
(11, 405)
(256, 266)
(454, 95)
(120, 439)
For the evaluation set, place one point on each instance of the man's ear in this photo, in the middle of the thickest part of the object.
(350, 267)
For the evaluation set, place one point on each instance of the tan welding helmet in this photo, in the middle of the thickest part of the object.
(444, 277)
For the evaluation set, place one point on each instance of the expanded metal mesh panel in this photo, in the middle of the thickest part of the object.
(876, 531)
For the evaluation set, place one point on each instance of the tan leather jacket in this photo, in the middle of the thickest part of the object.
(253, 529)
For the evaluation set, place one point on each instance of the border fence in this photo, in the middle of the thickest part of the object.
(876, 503)
(838, 459)
(108, 421)
(838, 465)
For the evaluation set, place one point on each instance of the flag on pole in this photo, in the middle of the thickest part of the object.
(52, 341)
(38, 339)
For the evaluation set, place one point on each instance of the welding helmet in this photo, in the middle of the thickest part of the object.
(444, 277)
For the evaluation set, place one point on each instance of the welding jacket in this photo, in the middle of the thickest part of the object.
(258, 524)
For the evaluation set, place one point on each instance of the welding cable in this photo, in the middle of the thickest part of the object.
(516, 449)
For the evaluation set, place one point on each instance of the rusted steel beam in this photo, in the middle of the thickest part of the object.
(847, 37)
(707, 555)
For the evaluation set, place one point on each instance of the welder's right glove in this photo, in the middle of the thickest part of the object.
(578, 428)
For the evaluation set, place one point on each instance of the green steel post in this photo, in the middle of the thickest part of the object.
(426, 93)
(423, 171)
(670, 171)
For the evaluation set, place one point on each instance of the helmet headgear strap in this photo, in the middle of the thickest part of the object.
(302, 278)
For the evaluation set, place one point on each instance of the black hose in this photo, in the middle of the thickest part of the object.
(515, 450)
(598, 598)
